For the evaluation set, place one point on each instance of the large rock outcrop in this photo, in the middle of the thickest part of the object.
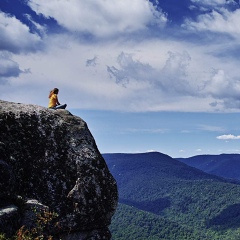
(50, 156)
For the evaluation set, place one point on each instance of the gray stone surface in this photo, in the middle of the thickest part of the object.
(9, 218)
(51, 156)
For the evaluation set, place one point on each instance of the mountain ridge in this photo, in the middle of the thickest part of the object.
(162, 186)
(223, 165)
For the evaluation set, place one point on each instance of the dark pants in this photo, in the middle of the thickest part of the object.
(62, 106)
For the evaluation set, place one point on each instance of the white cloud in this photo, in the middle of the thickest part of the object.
(220, 21)
(209, 3)
(154, 78)
(100, 18)
(9, 68)
(170, 78)
(228, 137)
(176, 77)
(222, 85)
(41, 29)
(153, 74)
(15, 36)
(131, 70)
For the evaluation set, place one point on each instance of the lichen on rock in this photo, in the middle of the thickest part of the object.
(51, 156)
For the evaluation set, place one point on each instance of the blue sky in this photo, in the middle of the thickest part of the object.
(159, 75)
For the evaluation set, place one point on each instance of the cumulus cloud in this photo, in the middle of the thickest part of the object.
(207, 6)
(8, 67)
(176, 79)
(228, 137)
(15, 36)
(15, 39)
(221, 85)
(219, 21)
(210, 3)
(101, 18)
(172, 78)
(224, 88)
(130, 70)
(40, 29)
(174, 75)
(151, 74)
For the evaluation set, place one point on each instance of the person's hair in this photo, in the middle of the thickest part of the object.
(54, 91)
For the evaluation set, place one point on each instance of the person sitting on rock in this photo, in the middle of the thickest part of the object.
(53, 100)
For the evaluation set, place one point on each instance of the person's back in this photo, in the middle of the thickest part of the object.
(53, 101)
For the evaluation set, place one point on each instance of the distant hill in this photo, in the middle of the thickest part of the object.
(224, 165)
(157, 192)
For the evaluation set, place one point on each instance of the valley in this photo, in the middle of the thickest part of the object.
(161, 197)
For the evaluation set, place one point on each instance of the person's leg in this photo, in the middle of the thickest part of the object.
(62, 106)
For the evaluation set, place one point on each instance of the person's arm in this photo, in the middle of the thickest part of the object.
(58, 103)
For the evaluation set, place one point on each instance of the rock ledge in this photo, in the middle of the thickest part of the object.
(51, 156)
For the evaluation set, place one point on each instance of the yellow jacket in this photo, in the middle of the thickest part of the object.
(53, 101)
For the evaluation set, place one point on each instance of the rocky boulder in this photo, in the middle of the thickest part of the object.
(51, 156)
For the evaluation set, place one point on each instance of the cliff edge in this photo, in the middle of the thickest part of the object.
(49, 159)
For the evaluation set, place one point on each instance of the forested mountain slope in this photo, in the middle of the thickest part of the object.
(199, 205)
(224, 165)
